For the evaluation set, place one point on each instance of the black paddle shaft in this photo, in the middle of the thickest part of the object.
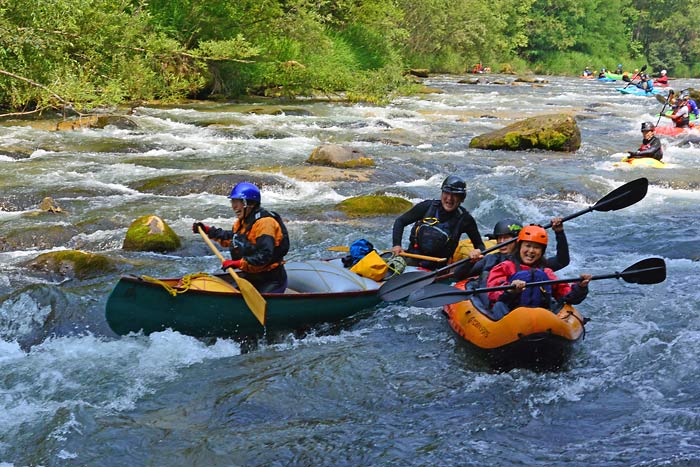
(646, 271)
(641, 70)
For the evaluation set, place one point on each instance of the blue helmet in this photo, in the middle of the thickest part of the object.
(246, 191)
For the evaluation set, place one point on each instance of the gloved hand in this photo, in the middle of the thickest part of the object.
(231, 263)
(199, 224)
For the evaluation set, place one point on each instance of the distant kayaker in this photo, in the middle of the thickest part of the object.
(602, 73)
(651, 145)
(645, 83)
(438, 225)
(508, 229)
(681, 113)
(586, 72)
(258, 241)
(662, 79)
(619, 69)
(528, 265)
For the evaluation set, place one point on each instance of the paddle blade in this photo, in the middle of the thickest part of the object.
(624, 196)
(401, 286)
(660, 98)
(435, 295)
(252, 297)
(646, 271)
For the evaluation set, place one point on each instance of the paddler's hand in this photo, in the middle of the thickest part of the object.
(396, 250)
(475, 255)
(518, 286)
(557, 224)
(586, 279)
(231, 263)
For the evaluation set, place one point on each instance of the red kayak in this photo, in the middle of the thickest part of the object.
(673, 130)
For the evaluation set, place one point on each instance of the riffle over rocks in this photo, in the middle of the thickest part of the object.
(557, 132)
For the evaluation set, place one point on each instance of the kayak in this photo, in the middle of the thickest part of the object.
(671, 130)
(535, 338)
(203, 305)
(641, 162)
(634, 90)
(607, 80)
(614, 76)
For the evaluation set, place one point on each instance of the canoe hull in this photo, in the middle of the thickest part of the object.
(534, 338)
(137, 305)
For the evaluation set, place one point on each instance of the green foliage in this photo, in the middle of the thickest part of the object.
(88, 53)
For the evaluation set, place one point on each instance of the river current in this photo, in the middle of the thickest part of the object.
(396, 387)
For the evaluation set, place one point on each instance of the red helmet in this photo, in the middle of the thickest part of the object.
(533, 233)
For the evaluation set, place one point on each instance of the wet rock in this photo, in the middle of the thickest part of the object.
(280, 110)
(49, 205)
(419, 72)
(373, 205)
(218, 184)
(339, 156)
(43, 238)
(150, 233)
(72, 264)
(429, 90)
(319, 173)
(16, 152)
(558, 132)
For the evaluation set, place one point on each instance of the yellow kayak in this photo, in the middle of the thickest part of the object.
(641, 162)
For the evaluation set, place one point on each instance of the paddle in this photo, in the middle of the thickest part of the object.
(641, 70)
(646, 271)
(252, 297)
(345, 249)
(401, 286)
(663, 100)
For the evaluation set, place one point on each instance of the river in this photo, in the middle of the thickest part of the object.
(395, 388)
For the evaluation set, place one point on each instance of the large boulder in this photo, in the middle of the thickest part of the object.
(558, 132)
(150, 233)
(334, 155)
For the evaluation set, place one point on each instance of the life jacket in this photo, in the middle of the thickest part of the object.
(431, 237)
(535, 297)
(242, 245)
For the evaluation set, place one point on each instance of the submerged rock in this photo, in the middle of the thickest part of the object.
(373, 205)
(72, 263)
(150, 233)
(558, 132)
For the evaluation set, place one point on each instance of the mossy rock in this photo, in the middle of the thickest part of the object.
(373, 205)
(150, 233)
(557, 132)
(73, 263)
(334, 155)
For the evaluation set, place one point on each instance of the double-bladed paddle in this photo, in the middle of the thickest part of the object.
(642, 70)
(401, 286)
(252, 297)
(345, 249)
(646, 271)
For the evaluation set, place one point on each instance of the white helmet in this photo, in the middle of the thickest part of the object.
(663, 72)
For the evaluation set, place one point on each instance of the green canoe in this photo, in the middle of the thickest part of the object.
(207, 306)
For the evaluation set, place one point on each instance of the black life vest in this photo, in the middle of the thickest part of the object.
(241, 246)
(431, 237)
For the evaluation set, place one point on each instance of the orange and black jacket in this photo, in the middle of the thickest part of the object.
(260, 241)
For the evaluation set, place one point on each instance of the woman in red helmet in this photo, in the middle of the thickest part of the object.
(258, 240)
(529, 265)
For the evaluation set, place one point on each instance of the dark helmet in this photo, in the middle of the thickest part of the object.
(647, 126)
(454, 184)
(506, 227)
(246, 191)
